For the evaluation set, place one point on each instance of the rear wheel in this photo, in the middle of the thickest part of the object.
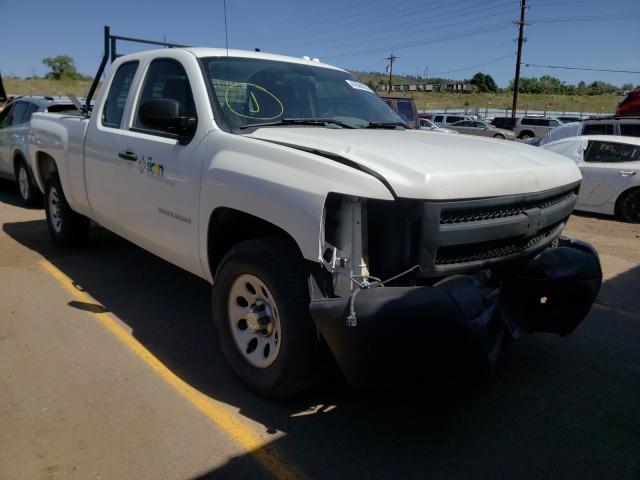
(66, 227)
(629, 206)
(526, 135)
(261, 313)
(28, 190)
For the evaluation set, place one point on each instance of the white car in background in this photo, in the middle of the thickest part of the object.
(610, 168)
(426, 124)
(15, 164)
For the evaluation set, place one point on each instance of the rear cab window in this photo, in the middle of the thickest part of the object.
(118, 93)
(611, 152)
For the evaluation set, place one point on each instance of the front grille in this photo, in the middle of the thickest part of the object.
(454, 216)
(460, 254)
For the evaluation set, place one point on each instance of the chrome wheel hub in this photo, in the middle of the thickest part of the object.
(53, 205)
(254, 321)
(23, 183)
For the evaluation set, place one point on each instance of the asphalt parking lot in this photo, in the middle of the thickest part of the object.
(109, 369)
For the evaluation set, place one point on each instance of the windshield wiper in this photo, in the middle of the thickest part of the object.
(390, 125)
(299, 121)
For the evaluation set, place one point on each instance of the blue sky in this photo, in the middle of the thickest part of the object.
(447, 36)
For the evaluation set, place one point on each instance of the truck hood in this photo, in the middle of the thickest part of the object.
(431, 166)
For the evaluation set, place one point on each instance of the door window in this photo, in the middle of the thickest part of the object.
(598, 129)
(405, 110)
(166, 79)
(608, 152)
(118, 93)
(18, 112)
(632, 130)
(438, 118)
(5, 116)
(33, 108)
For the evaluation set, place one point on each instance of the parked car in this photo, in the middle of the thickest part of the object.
(610, 168)
(295, 191)
(15, 164)
(506, 123)
(482, 129)
(444, 119)
(534, 127)
(627, 126)
(630, 105)
(406, 108)
(564, 119)
(426, 124)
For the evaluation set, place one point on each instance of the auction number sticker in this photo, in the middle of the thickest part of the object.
(358, 85)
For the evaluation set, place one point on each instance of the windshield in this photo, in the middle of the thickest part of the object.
(249, 91)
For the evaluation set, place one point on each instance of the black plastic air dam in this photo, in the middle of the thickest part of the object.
(409, 333)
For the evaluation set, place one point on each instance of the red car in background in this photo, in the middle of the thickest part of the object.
(630, 105)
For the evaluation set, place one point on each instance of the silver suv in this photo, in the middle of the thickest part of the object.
(534, 127)
(444, 119)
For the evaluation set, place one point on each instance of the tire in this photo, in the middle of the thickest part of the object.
(628, 206)
(499, 136)
(526, 135)
(66, 227)
(28, 190)
(293, 358)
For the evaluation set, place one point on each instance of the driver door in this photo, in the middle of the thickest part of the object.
(159, 180)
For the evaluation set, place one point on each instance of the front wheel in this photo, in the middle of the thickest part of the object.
(29, 192)
(629, 206)
(499, 136)
(261, 314)
(66, 227)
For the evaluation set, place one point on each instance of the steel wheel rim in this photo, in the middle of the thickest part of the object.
(631, 207)
(54, 210)
(23, 182)
(250, 304)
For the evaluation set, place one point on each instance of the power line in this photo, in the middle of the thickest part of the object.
(419, 23)
(579, 68)
(401, 46)
(469, 67)
(594, 18)
(362, 19)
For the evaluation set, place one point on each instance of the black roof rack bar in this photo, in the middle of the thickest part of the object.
(110, 52)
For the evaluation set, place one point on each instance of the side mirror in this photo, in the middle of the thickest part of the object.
(164, 114)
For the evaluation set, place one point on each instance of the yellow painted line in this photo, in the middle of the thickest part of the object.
(220, 414)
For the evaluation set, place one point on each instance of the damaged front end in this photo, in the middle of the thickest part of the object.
(382, 335)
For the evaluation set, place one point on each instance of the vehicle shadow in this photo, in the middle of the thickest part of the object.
(554, 406)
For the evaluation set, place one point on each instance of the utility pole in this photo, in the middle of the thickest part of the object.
(516, 80)
(391, 59)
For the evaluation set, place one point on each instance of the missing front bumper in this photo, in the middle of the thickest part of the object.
(402, 332)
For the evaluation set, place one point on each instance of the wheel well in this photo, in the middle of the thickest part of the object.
(232, 227)
(527, 132)
(18, 156)
(621, 196)
(45, 165)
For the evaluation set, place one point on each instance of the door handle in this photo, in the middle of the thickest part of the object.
(627, 173)
(128, 155)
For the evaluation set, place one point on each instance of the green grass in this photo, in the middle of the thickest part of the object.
(604, 104)
(21, 86)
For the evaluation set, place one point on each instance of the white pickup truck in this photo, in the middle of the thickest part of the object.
(318, 218)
